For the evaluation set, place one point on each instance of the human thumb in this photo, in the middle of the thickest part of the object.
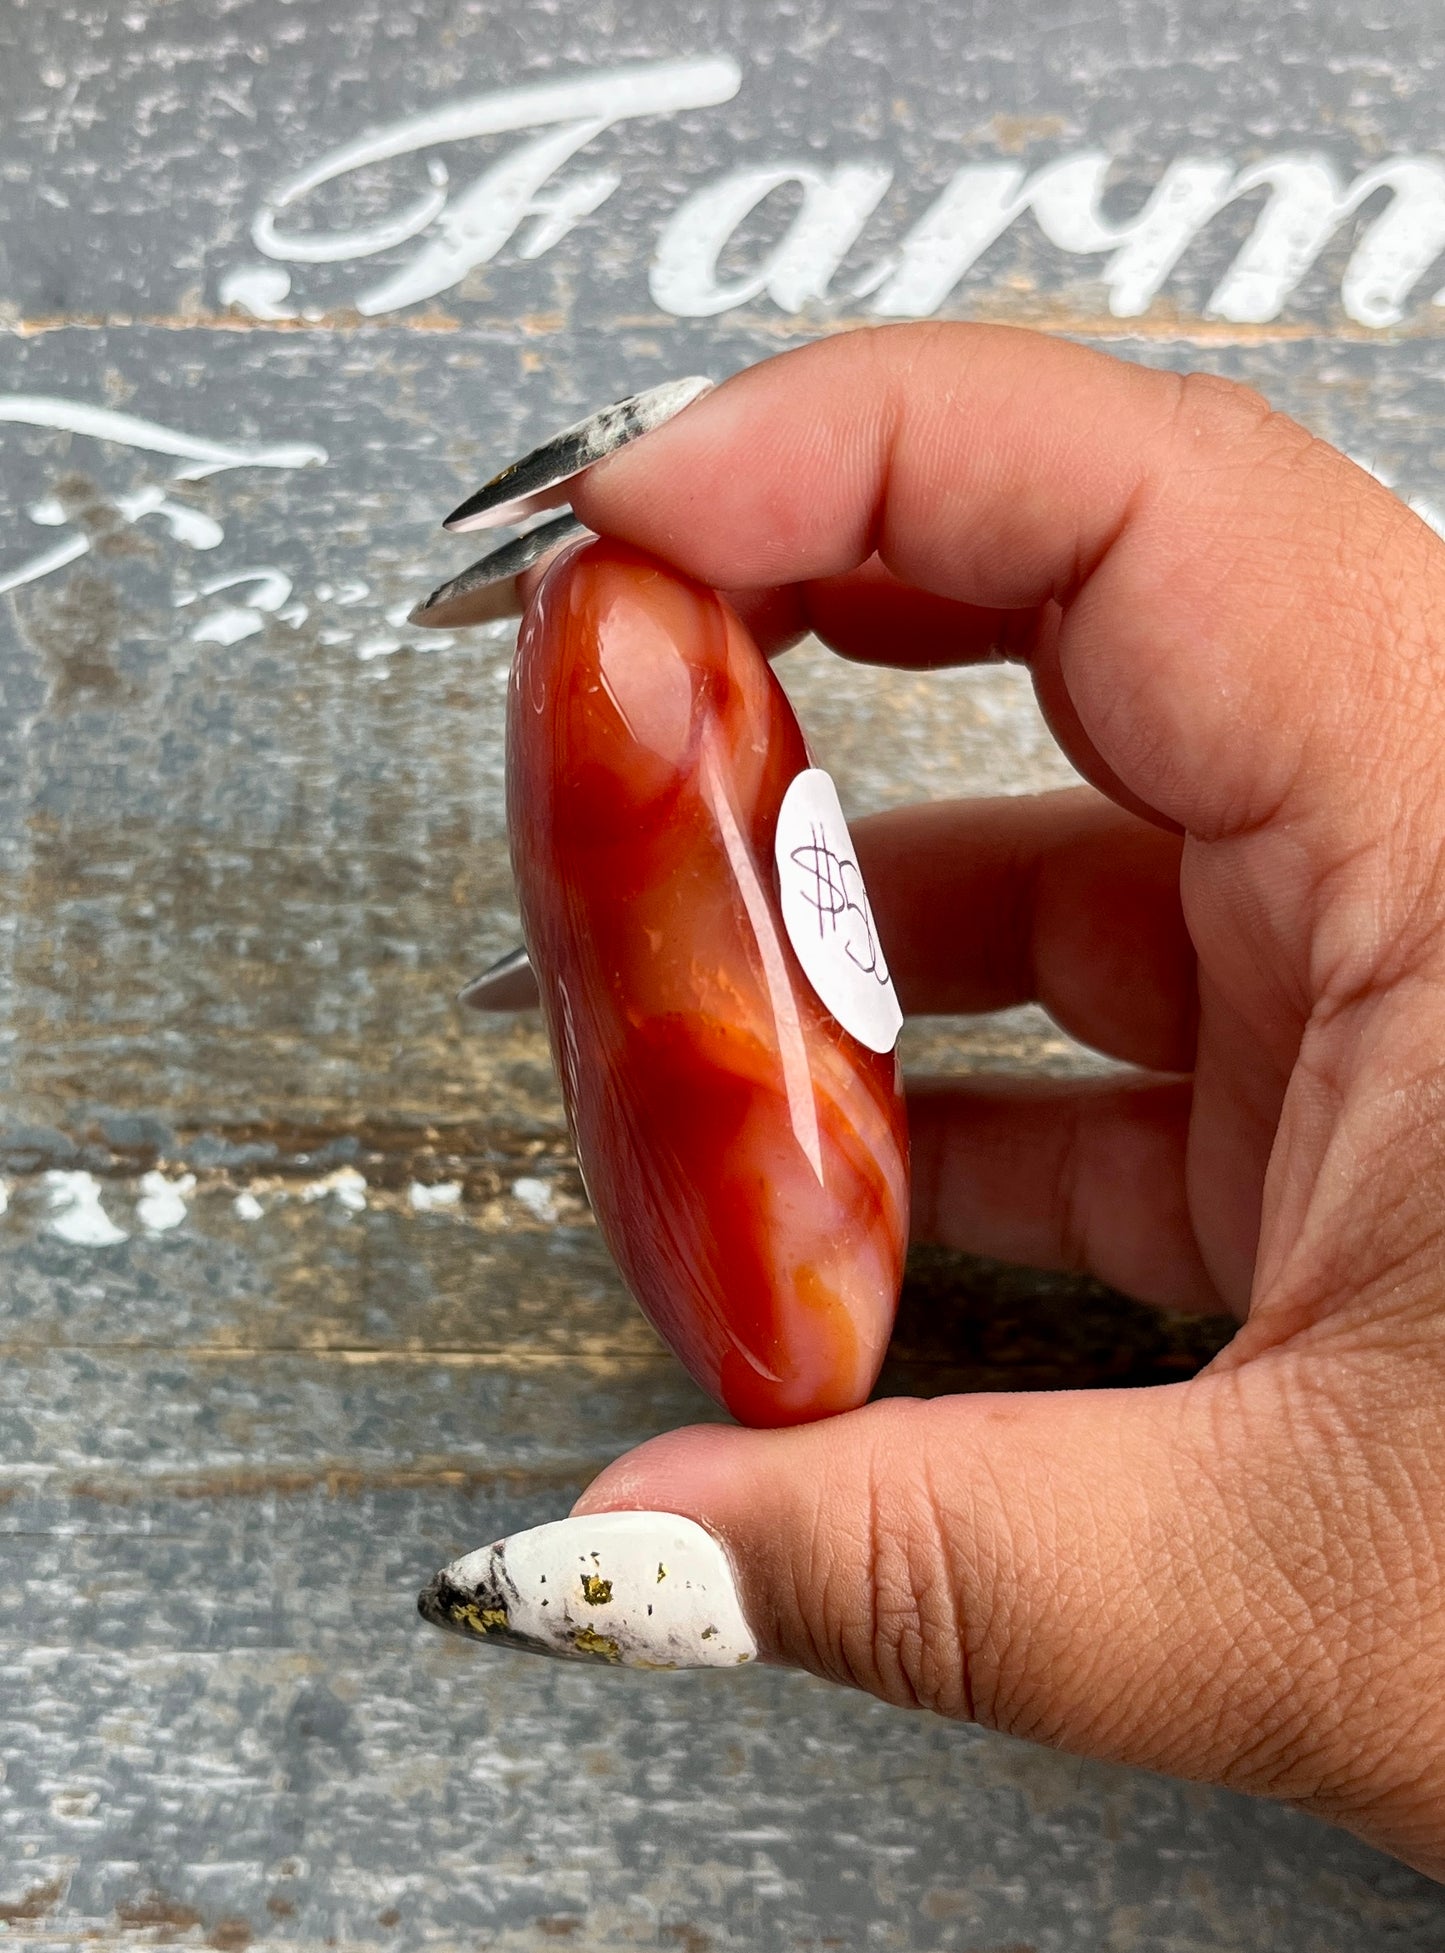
(1042, 1564)
(1125, 1574)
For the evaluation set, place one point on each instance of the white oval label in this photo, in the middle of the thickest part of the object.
(827, 915)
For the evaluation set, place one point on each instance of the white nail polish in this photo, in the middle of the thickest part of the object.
(633, 1589)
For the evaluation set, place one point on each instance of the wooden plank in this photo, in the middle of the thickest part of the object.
(244, 881)
(308, 1799)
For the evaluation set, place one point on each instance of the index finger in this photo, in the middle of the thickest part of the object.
(1209, 556)
(982, 463)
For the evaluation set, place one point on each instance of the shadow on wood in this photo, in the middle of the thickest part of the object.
(967, 1324)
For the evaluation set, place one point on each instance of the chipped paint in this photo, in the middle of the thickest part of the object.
(537, 1197)
(270, 590)
(75, 1212)
(345, 1184)
(163, 1202)
(441, 1194)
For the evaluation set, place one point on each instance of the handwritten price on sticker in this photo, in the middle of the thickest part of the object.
(833, 885)
(827, 914)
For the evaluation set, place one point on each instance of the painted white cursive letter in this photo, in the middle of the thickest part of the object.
(1307, 206)
(475, 226)
(202, 457)
(837, 203)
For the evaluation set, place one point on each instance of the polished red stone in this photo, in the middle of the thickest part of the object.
(747, 1159)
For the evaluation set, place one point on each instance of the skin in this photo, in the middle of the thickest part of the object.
(1236, 635)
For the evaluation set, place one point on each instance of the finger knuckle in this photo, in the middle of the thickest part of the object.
(889, 1598)
(1210, 408)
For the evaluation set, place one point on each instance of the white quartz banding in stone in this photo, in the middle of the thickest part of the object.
(634, 1589)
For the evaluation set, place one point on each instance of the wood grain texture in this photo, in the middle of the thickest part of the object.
(362, 1321)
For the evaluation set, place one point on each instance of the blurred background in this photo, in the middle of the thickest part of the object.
(300, 1293)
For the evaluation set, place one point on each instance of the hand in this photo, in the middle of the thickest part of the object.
(1237, 636)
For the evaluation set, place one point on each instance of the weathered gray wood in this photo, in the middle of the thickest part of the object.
(243, 1415)
(244, 881)
(517, 1812)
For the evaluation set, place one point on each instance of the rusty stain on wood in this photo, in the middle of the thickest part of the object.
(158, 1913)
(38, 1903)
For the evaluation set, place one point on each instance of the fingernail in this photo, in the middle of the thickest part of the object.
(487, 589)
(508, 984)
(539, 480)
(629, 1589)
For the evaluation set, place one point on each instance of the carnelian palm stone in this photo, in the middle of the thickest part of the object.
(746, 1156)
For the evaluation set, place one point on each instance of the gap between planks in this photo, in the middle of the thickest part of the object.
(1166, 331)
(596, 1362)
